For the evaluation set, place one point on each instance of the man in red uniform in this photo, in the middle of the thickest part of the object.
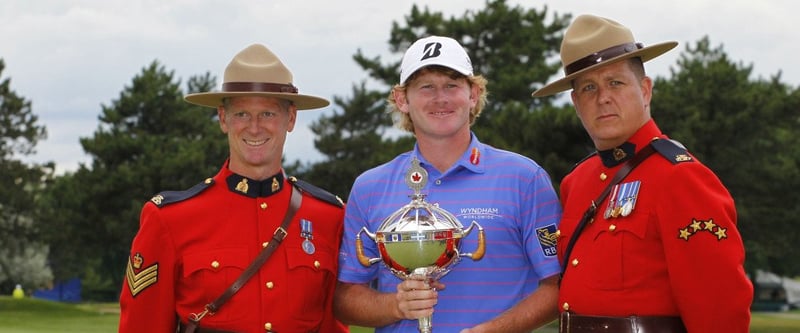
(661, 252)
(193, 244)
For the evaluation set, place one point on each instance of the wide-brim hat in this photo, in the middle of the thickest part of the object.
(592, 41)
(256, 71)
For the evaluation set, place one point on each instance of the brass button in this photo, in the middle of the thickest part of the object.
(208, 181)
(603, 176)
(565, 306)
(268, 326)
(591, 220)
(215, 264)
(270, 285)
(558, 233)
(263, 205)
(575, 262)
(316, 263)
(264, 244)
(612, 227)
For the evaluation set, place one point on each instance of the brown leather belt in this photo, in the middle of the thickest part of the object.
(573, 323)
(182, 329)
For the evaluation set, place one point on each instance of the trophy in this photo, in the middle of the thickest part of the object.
(420, 239)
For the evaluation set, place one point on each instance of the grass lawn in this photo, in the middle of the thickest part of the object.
(38, 316)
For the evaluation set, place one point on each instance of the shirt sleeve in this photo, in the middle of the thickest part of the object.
(355, 218)
(542, 210)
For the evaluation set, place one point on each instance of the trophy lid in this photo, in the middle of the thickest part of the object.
(419, 215)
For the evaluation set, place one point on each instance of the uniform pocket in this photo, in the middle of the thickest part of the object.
(609, 246)
(313, 277)
(206, 275)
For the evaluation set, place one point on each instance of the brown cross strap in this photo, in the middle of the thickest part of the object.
(277, 238)
(589, 214)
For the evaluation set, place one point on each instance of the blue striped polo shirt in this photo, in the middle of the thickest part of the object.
(509, 195)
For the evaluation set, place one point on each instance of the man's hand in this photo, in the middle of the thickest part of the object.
(416, 297)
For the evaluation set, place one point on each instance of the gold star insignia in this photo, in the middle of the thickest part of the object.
(695, 225)
(709, 224)
(721, 233)
(685, 234)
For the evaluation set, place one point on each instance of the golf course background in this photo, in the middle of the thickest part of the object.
(31, 315)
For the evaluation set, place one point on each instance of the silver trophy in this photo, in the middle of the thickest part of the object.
(420, 239)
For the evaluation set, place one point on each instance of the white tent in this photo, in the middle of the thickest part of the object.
(779, 290)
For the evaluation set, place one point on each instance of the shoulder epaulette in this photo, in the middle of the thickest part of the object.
(581, 161)
(672, 150)
(167, 197)
(317, 192)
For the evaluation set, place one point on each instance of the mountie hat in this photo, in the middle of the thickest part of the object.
(592, 41)
(256, 71)
(435, 50)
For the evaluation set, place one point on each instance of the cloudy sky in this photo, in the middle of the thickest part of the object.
(71, 57)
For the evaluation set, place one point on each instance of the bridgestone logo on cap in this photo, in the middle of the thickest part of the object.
(431, 50)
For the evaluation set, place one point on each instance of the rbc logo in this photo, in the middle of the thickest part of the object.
(547, 239)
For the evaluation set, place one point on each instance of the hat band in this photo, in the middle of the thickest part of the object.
(258, 87)
(598, 57)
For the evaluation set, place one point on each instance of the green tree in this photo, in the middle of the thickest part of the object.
(353, 141)
(742, 129)
(148, 140)
(22, 255)
(510, 46)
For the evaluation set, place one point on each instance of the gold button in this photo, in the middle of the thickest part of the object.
(565, 306)
(208, 180)
(263, 205)
(215, 264)
(264, 244)
(558, 233)
(575, 262)
(316, 263)
(603, 176)
(268, 326)
(612, 227)
(270, 285)
(591, 220)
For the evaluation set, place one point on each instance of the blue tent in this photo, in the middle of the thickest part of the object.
(65, 291)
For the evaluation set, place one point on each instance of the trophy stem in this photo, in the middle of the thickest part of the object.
(424, 324)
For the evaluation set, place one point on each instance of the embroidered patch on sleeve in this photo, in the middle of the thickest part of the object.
(697, 226)
(139, 279)
(547, 239)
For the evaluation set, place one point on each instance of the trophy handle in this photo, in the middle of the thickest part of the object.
(480, 251)
(363, 259)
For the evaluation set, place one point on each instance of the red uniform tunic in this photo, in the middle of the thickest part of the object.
(187, 253)
(676, 253)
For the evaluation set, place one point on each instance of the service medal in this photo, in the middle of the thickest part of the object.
(307, 232)
(308, 247)
(628, 193)
(623, 199)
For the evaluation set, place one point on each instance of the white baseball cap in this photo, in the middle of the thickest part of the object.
(435, 50)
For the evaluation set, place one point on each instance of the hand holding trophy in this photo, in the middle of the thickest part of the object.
(420, 239)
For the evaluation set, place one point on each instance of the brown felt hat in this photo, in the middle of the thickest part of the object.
(592, 41)
(256, 71)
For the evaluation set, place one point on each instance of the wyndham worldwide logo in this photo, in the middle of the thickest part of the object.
(547, 239)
